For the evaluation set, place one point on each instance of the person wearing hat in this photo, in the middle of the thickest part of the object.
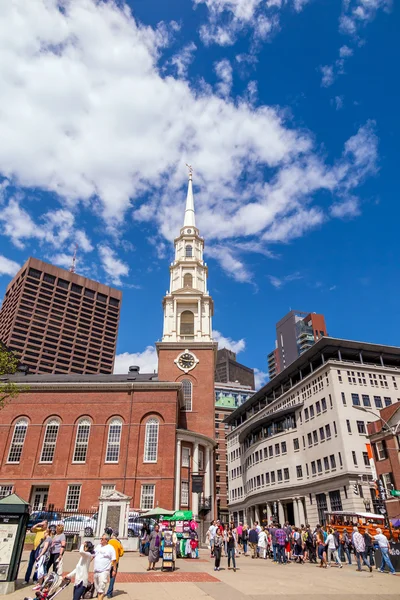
(119, 551)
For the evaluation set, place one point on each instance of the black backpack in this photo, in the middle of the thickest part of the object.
(89, 593)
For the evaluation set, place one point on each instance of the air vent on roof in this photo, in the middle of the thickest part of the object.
(134, 369)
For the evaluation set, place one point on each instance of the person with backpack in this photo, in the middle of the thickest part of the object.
(297, 545)
(81, 571)
(119, 551)
(346, 545)
(42, 558)
(331, 544)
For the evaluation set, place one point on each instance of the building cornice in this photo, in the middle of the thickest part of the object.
(187, 344)
(46, 386)
(185, 435)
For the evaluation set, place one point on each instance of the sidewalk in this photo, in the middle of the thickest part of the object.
(253, 580)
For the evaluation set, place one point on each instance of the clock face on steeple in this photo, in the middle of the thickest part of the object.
(186, 361)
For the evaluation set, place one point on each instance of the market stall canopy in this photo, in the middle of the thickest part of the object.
(157, 512)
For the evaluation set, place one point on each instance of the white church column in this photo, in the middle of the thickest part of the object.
(302, 515)
(178, 476)
(195, 469)
(296, 512)
(207, 479)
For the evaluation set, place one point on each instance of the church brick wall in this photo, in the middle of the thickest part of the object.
(100, 406)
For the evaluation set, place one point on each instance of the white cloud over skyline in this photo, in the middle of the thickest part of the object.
(96, 138)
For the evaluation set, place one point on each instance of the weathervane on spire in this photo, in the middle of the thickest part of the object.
(190, 170)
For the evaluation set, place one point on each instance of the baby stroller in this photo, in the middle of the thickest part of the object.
(52, 585)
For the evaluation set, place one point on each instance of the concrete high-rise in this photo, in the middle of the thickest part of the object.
(295, 333)
(229, 370)
(57, 321)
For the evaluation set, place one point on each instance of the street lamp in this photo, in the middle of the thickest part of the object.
(393, 429)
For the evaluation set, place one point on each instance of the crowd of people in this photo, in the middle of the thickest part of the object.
(49, 547)
(284, 544)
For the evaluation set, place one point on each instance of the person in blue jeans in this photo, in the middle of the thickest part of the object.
(231, 549)
(384, 548)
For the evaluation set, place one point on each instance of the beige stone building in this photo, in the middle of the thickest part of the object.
(297, 447)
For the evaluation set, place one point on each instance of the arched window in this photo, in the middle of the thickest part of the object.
(187, 323)
(114, 441)
(187, 394)
(151, 441)
(81, 441)
(50, 441)
(189, 250)
(187, 280)
(17, 442)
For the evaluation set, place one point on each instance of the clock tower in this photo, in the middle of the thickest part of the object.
(187, 353)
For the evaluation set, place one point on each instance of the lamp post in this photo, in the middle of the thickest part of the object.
(394, 430)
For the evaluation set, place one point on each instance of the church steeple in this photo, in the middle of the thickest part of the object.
(190, 220)
(188, 307)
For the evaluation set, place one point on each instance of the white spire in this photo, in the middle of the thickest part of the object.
(189, 210)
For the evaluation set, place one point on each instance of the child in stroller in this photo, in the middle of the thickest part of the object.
(52, 585)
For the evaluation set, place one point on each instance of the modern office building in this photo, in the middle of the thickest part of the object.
(295, 333)
(297, 447)
(57, 321)
(384, 436)
(228, 396)
(229, 370)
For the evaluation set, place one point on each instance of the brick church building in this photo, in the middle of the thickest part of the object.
(67, 438)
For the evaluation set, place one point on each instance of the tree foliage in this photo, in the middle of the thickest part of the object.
(8, 366)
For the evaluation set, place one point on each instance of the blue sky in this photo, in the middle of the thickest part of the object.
(288, 112)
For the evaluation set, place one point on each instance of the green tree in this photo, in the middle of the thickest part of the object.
(8, 366)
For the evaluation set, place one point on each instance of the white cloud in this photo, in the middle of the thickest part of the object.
(339, 102)
(327, 75)
(182, 60)
(223, 69)
(357, 13)
(228, 19)
(348, 208)
(260, 377)
(8, 267)
(115, 133)
(278, 282)
(226, 342)
(112, 265)
(62, 260)
(345, 51)
(146, 360)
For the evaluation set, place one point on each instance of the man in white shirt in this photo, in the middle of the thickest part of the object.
(104, 559)
(384, 548)
(212, 530)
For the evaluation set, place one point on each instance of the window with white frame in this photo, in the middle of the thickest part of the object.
(73, 497)
(50, 441)
(17, 442)
(6, 490)
(151, 441)
(201, 460)
(147, 497)
(113, 441)
(81, 441)
(106, 488)
(187, 394)
(185, 457)
(381, 450)
(184, 493)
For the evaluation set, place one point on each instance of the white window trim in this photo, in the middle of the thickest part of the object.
(51, 423)
(184, 491)
(20, 423)
(73, 485)
(9, 487)
(84, 422)
(147, 485)
(111, 444)
(185, 396)
(151, 422)
(186, 453)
